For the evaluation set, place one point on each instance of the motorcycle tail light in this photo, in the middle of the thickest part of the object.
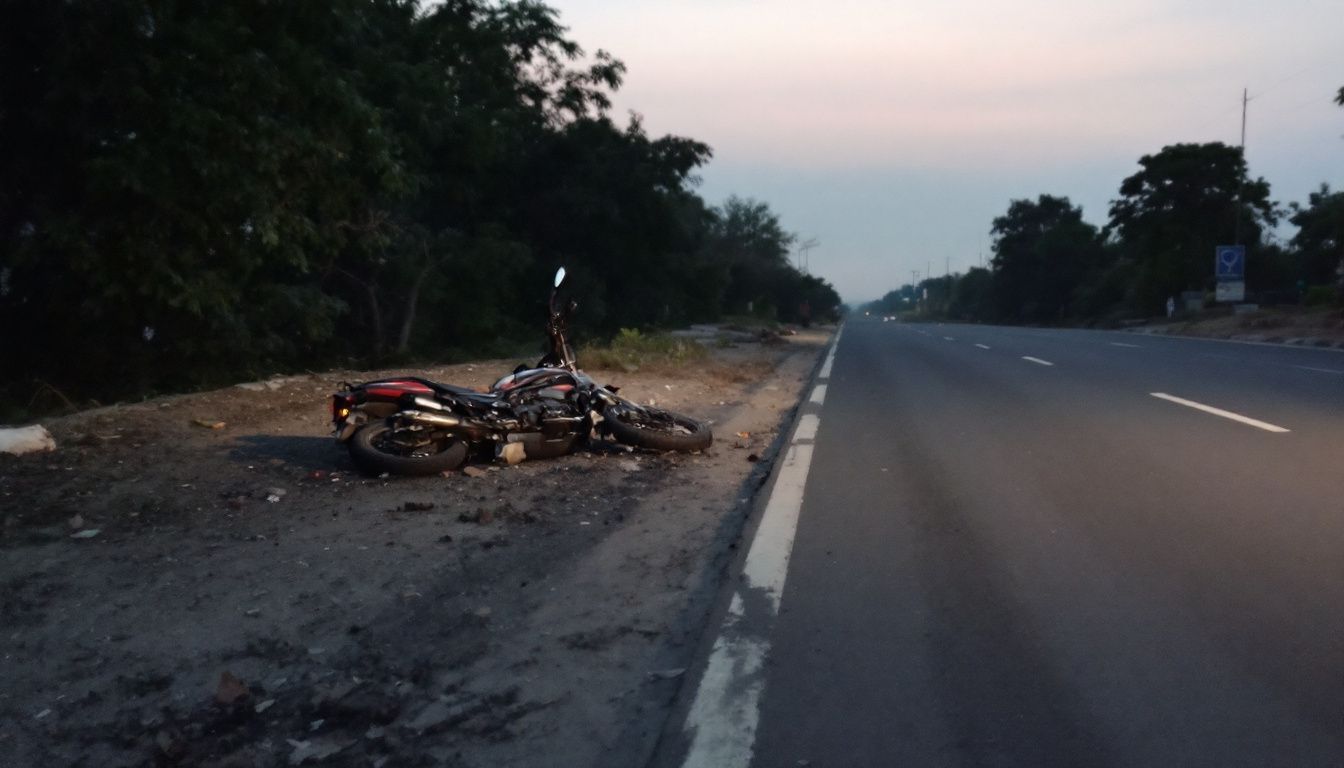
(340, 407)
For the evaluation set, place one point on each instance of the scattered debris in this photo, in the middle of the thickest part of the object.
(481, 515)
(473, 472)
(208, 423)
(262, 706)
(512, 453)
(21, 440)
(230, 689)
(314, 750)
(417, 506)
(666, 674)
(87, 533)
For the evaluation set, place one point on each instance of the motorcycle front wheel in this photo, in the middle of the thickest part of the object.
(660, 430)
(378, 447)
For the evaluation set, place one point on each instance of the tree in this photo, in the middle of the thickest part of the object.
(748, 237)
(1185, 201)
(973, 296)
(196, 191)
(1042, 252)
(1319, 242)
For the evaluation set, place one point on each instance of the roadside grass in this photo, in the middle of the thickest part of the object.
(632, 351)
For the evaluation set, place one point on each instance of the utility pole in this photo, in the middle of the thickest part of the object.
(1241, 180)
(804, 248)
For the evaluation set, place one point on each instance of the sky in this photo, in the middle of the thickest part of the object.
(893, 133)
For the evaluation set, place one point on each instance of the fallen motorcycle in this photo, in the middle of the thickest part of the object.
(413, 426)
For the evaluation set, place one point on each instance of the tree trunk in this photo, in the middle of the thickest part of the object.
(413, 300)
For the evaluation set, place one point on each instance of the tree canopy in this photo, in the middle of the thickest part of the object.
(202, 190)
(1042, 249)
(1184, 202)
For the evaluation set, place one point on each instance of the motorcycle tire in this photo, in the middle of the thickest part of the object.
(374, 454)
(658, 429)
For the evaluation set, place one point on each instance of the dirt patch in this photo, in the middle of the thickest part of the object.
(179, 592)
(1304, 327)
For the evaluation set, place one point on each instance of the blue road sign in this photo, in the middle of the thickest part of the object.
(1229, 262)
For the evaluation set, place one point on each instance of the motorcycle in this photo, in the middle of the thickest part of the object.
(413, 426)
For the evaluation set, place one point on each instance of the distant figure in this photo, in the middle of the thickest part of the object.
(1171, 306)
(805, 313)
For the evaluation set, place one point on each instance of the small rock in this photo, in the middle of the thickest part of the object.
(431, 717)
(263, 706)
(314, 750)
(252, 612)
(208, 423)
(628, 465)
(445, 714)
(473, 472)
(21, 440)
(512, 453)
(230, 689)
(171, 745)
(666, 674)
(76, 522)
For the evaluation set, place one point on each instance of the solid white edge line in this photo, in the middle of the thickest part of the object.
(1319, 370)
(807, 427)
(723, 717)
(725, 713)
(1123, 344)
(1037, 360)
(1220, 412)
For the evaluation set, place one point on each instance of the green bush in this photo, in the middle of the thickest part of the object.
(632, 350)
(1321, 296)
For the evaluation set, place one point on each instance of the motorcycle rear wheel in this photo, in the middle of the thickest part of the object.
(660, 430)
(377, 448)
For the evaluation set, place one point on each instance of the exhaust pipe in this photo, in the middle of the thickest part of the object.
(433, 419)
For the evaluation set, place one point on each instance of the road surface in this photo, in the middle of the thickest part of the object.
(1026, 547)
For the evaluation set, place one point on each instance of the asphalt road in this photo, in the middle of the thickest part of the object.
(1010, 552)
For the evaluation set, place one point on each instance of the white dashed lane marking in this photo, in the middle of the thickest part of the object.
(1220, 412)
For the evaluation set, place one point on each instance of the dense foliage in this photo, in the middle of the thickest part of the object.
(202, 189)
(1051, 266)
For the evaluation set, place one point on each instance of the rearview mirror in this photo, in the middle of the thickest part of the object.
(559, 276)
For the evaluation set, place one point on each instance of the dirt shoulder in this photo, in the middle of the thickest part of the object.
(175, 593)
(1303, 327)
